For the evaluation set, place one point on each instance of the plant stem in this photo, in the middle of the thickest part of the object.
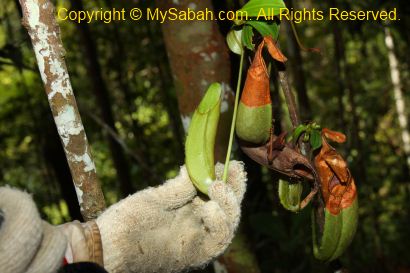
(291, 103)
(304, 147)
(235, 108)
(290, 98)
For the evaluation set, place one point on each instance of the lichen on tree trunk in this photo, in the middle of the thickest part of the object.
(39, 20)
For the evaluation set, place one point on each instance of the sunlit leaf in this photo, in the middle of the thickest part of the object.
(265, 28)
(298, 131)
(255, 8)
(234, 41)
(315, 139)
(247, 34)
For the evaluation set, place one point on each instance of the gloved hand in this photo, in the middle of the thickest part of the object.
(164, 229)
(27, 244)
(169, 228)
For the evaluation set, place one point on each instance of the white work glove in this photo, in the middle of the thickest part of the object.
(163, 229)
(27, 244)
(169, 228)
(30, 245)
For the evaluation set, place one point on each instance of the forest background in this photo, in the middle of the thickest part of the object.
(137, 83)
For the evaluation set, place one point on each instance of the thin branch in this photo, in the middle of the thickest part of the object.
(291, 103)
(137, 157)
(289, 97)
(14, 65)
(39, 20)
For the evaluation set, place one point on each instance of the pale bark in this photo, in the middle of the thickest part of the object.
(398, 93)
(38, 18)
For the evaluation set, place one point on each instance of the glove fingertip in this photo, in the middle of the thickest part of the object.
(237, 168)
(237, 178)
(217, 189)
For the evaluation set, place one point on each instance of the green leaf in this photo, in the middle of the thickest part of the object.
(262, 9)
(234, 41)
(265, 28)
(298, 131)
(306, 136)
(247, 34)
(315, 139)
(316, 126)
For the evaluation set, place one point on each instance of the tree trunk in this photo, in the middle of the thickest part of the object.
(49, 146)
(398, 94)
(198, 57)
(100, 92)
(55, 158)
(39, 20)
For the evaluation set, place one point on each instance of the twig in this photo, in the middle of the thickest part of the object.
(14, 65)
(138, 158)
(289, 97)
(291, 103)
